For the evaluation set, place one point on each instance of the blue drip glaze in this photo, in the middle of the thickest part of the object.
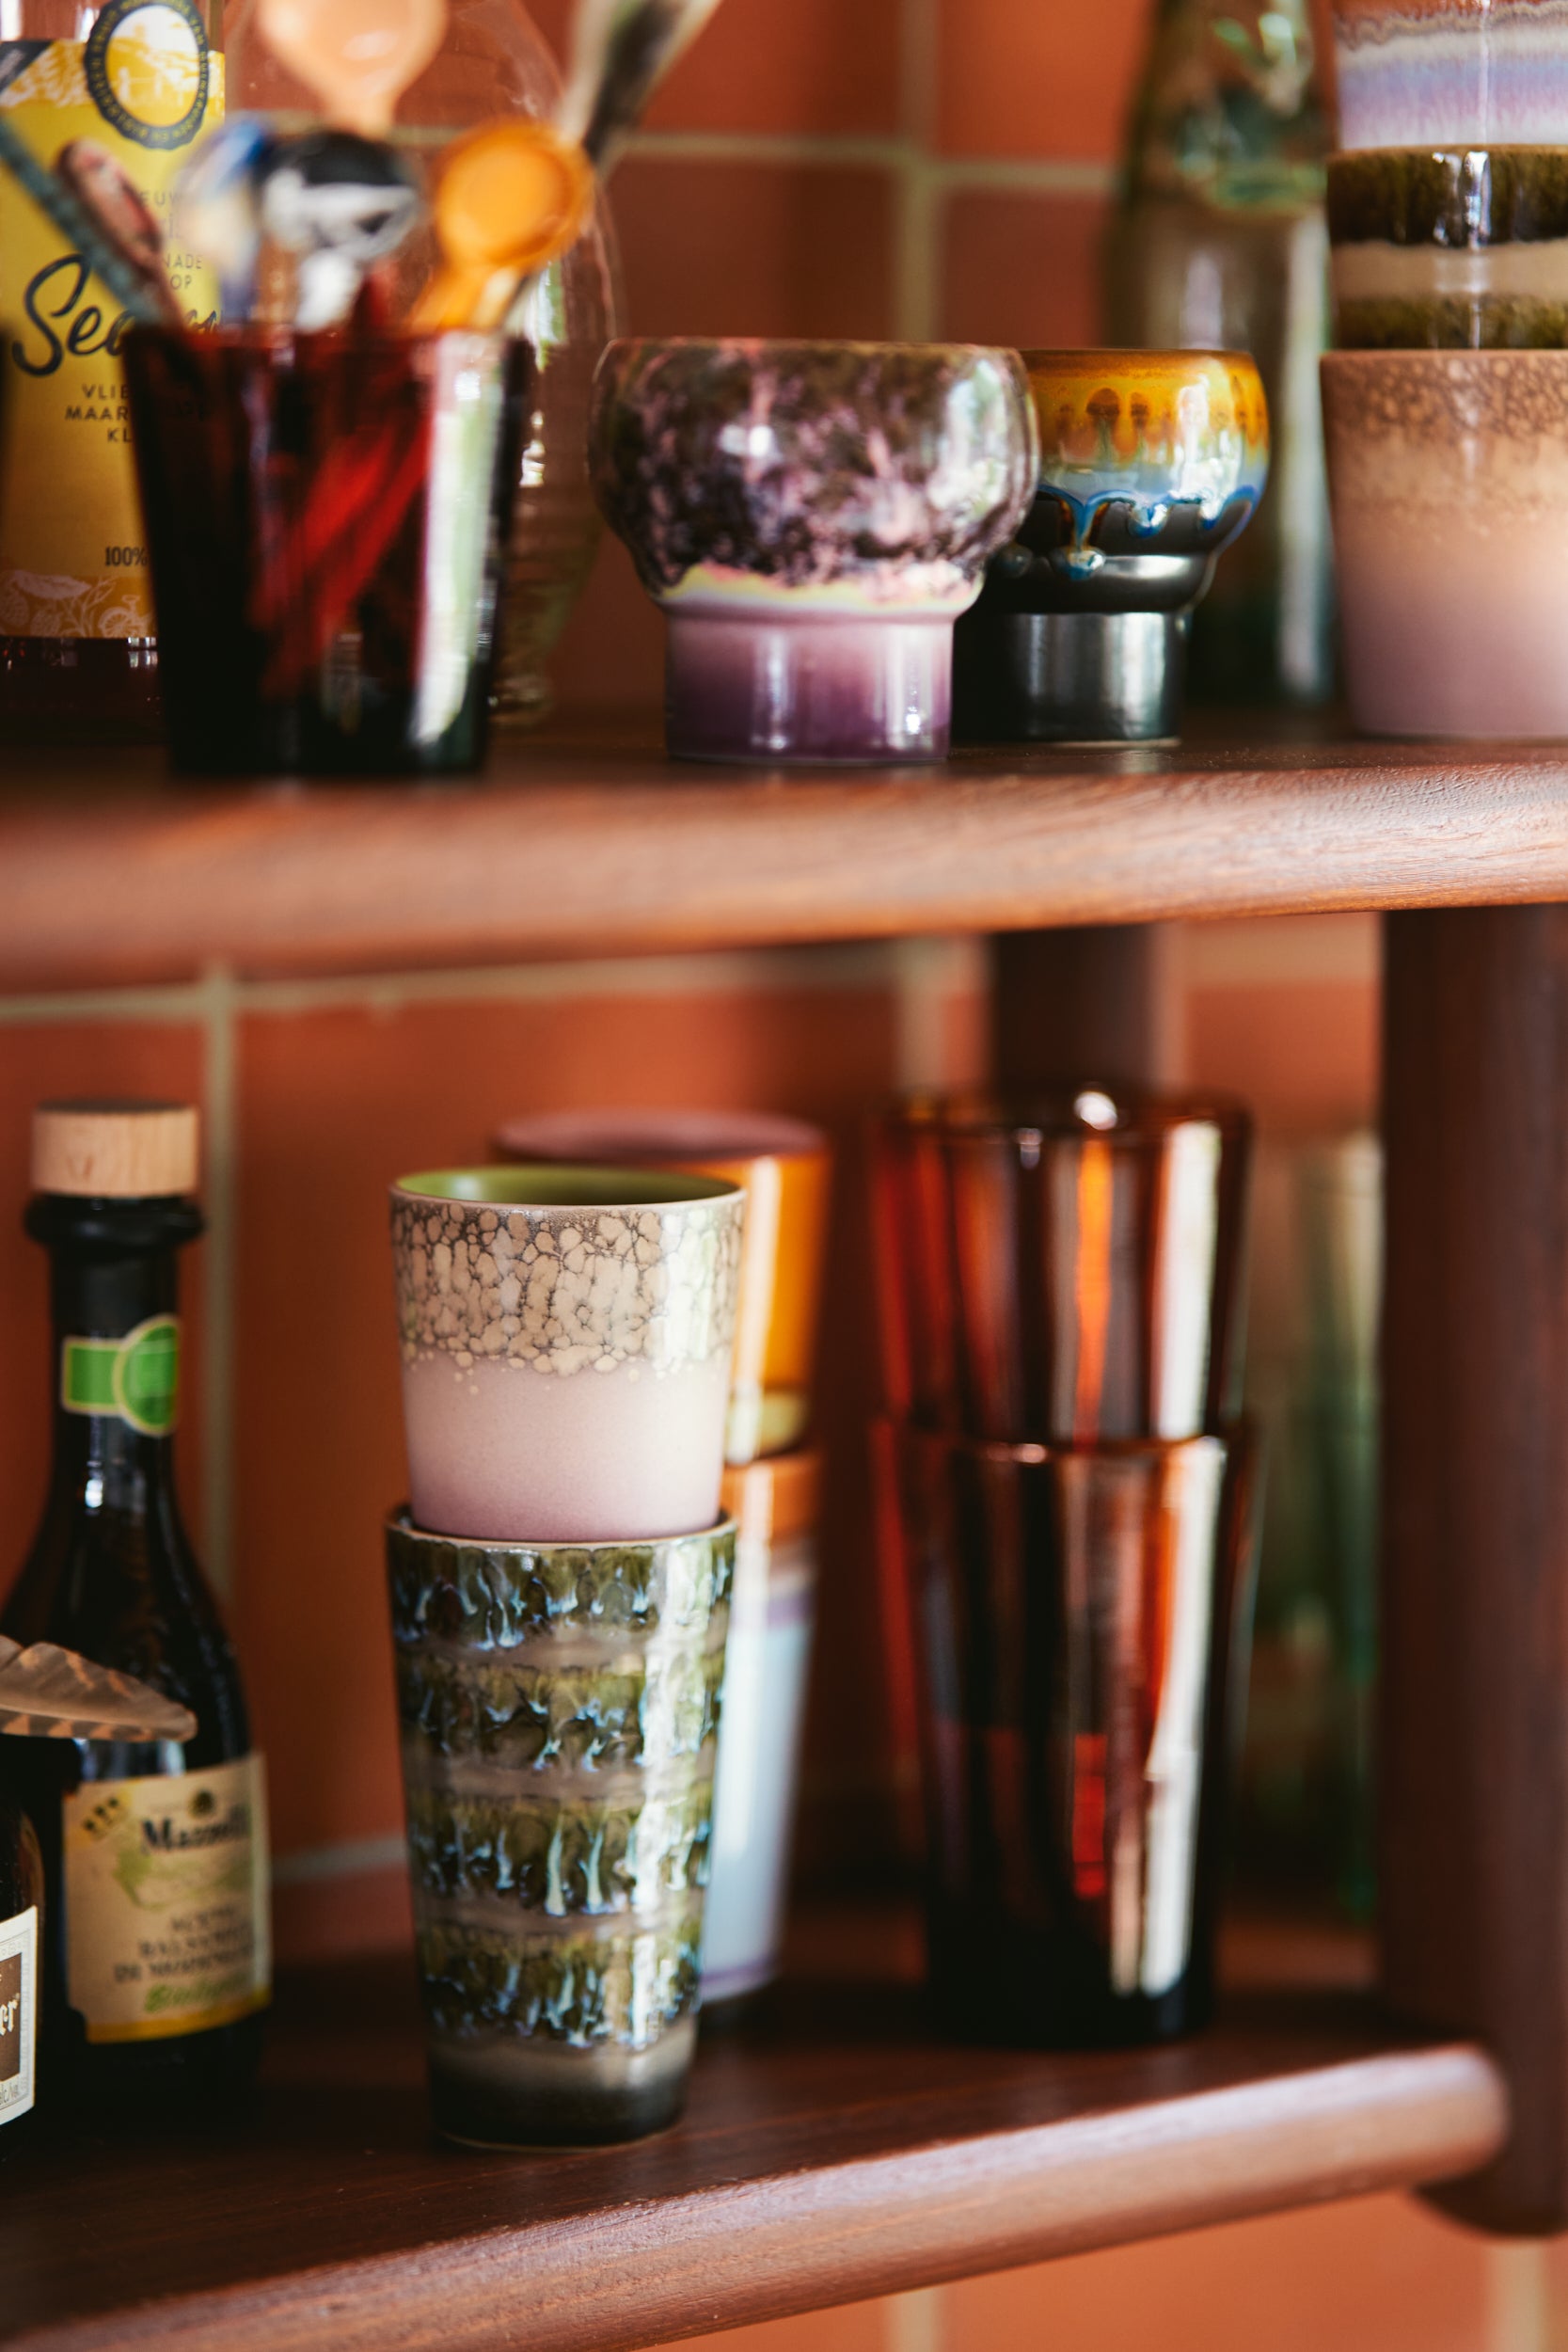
(1150, 512)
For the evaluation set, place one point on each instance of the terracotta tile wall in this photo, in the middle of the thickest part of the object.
(317, 1094)
(870, 168)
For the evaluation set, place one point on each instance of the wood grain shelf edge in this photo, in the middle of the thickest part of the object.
(568, 851)
(652, 2270)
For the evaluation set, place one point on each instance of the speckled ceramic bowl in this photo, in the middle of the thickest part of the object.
(1450, 248)
(811, 518)
(1450, 72)
(1150, 464)
(559, 1714)
(1447, 476)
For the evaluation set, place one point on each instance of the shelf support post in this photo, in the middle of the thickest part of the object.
(1473, 1762)
(1092, 1003)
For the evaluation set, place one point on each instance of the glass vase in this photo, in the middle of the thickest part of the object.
(494, 61)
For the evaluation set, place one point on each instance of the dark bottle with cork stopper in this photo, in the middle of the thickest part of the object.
(156, 1959)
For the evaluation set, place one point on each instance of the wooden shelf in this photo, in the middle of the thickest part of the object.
(839, 2153)
(576, 849)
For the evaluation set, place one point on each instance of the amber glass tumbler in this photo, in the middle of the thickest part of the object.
(1062, 1269)
(1080, 1624)
(326, 517)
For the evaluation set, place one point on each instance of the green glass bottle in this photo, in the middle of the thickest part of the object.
(1219, 244)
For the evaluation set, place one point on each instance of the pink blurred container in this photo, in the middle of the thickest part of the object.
(1449, 483)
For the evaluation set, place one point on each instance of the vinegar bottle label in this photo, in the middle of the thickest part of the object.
(142, 86)
(165, 1901)
(19, 1949)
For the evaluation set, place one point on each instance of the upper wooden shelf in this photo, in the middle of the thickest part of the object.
(839, 2153)
(571, 848)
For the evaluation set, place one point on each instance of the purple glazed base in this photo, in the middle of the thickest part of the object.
(829, 688)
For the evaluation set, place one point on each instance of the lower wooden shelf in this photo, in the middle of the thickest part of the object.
(836, 2151)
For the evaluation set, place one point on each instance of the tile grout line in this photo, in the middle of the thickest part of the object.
(742, 970)
(913, 2321)
(926, 971)
(180, 1001)
(218, 997)
(1018, 175)
(745, 970)
(1519, 2313)
(1307, 948)
(350, 1857)
(919, 196)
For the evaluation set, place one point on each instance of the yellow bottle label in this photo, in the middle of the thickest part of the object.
(143, 87)
(166, 1927)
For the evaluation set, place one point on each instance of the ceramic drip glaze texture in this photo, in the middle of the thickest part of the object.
(567, 1337)
(1449, 480)
(1450, 248)
(811, 517)
(560, 1714)
(1177, 440)
(1452, 73)
(1150, 464)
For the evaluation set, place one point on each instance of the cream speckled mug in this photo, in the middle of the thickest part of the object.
(566, 1338)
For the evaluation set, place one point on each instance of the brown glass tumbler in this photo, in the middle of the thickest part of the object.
(1080, 1627)
(325, 521)
(1062, 1269)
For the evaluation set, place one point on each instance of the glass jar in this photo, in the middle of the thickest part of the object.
(494, 62)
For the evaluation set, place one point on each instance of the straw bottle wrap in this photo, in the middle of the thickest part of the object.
(47, 1693)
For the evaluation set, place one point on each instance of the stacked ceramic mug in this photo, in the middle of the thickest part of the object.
(1446, 401)
(559, 1590)
(1069, 1496)
(772, 1486)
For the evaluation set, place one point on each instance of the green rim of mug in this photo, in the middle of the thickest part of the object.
(555, 1187)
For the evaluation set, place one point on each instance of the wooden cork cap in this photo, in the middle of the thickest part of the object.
(116, 1151)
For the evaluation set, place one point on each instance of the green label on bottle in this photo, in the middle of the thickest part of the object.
(136, 1378)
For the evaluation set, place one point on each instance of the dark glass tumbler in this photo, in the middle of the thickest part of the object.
(1082, 1622)
(1062, 1269)
(325, 522)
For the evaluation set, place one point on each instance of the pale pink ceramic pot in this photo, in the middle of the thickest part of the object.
(1449, 483)
(567, 1337)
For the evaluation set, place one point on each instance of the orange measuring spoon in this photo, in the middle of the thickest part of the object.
(511, 196)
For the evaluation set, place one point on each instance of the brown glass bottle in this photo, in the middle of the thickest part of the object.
(78, 660)
(154, 1963)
